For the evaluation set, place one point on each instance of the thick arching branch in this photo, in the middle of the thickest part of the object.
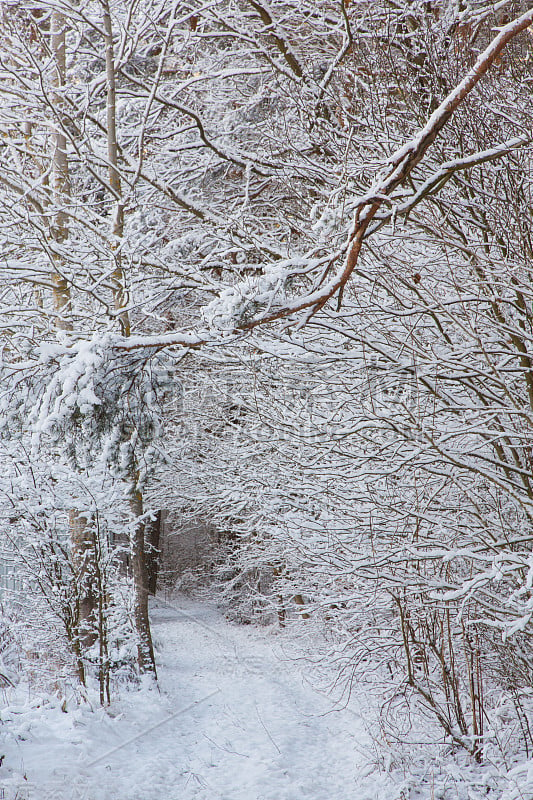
(400, 166)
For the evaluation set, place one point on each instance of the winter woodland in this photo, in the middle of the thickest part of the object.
(267, 267)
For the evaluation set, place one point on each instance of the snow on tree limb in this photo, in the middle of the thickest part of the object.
(400, 166)
(435, 182)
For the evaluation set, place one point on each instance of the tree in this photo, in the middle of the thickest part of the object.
(393, 490)
(220, 188)
(60, 232)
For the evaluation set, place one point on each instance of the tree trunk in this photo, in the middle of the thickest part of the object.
(81, 536)
(82, 550)
(145, 649)
(117, 277)
(140, 585)
(153, 538)
(60, 171)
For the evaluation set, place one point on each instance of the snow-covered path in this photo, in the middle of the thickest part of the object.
(265, 734)
(235, 721)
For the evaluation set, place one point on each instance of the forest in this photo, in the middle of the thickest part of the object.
(266, 267)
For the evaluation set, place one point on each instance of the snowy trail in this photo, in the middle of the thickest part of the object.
(235, 721)
(264, 735)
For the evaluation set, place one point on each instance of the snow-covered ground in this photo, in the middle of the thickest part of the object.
(236, 719)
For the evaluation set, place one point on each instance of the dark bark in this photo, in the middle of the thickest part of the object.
(82, 547)
(145, 649)
(152, 537)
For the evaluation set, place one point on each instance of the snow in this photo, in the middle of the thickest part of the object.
(235, 719)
